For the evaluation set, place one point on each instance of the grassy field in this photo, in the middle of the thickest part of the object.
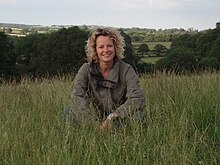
(151, 45)
(182, 125)
(151, 60)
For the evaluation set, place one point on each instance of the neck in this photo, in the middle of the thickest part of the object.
(105, 68)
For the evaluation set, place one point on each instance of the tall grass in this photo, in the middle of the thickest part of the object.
(182, 125)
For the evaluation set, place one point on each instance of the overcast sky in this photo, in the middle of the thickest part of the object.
(164, 14)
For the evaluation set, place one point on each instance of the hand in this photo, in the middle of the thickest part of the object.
(105, 124)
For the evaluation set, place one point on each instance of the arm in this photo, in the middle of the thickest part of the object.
(79, 95)
(135, 96)
(135, 99)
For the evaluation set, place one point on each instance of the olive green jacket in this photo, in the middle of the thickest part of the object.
(119, 92)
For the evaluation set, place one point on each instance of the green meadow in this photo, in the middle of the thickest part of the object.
(146, 57)
(181, 125)
(151, 60)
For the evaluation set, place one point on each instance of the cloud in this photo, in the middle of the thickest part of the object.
(151, 4)
(7, 2)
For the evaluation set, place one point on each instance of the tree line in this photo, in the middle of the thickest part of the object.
(195, 52)
(59, 52)
(63, 52)
(141, 35)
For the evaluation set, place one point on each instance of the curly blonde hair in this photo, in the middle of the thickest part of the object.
(115, 35)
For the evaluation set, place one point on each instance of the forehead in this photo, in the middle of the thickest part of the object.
(103, 39)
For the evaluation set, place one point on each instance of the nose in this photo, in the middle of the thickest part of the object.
(105, 48)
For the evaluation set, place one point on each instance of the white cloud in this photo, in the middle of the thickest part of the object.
(152, 4)
(7, 2)
(163, 4)
(123, 13)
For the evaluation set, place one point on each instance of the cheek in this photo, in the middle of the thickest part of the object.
(98, 51)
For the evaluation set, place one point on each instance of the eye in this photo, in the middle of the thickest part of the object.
(100, 47)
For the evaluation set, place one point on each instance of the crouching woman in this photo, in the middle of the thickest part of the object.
(105, 89)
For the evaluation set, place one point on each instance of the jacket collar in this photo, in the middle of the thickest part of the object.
(112, 78)
(114, 73)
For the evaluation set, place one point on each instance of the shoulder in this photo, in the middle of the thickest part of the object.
(83, 71)
(85, 65)
(122, 63)
(125, 67)
(84, 68)
(82, 74)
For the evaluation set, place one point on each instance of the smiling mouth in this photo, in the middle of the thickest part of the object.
(107, 55)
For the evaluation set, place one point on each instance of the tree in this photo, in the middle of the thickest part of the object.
(28, 50)
(61, 51)
(7, 57)
(142, 49)
(215, 50)
(131, 58)
(209, 63)
(188, 41)
(64, 51)
(179, 60)
(160, 50)
(205, 42)
(128, 53)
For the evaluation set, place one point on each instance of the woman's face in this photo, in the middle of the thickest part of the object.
(105, 49)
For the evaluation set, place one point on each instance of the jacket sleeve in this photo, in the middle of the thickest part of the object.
(79, 95)
(135, 98)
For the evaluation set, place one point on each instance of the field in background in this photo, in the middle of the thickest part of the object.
(182, 125)
(151, 45)
(151, 60)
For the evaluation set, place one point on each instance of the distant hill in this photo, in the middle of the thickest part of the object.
(14, 25)
(138, 35)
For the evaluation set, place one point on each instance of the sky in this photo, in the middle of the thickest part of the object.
(151, 14)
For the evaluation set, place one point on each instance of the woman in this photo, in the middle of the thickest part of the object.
(111, 85)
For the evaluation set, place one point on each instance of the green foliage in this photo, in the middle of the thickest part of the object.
(160, 50)
(206, 41)
(7, 57)
(144, 35)
(209, 62)
(186, 41)
(129, 56)
(215, 49)
(179, 60)
(28, 52)
(181, 125)
(64, 50)
(58, 52)
(193, 52)
(143, 49)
